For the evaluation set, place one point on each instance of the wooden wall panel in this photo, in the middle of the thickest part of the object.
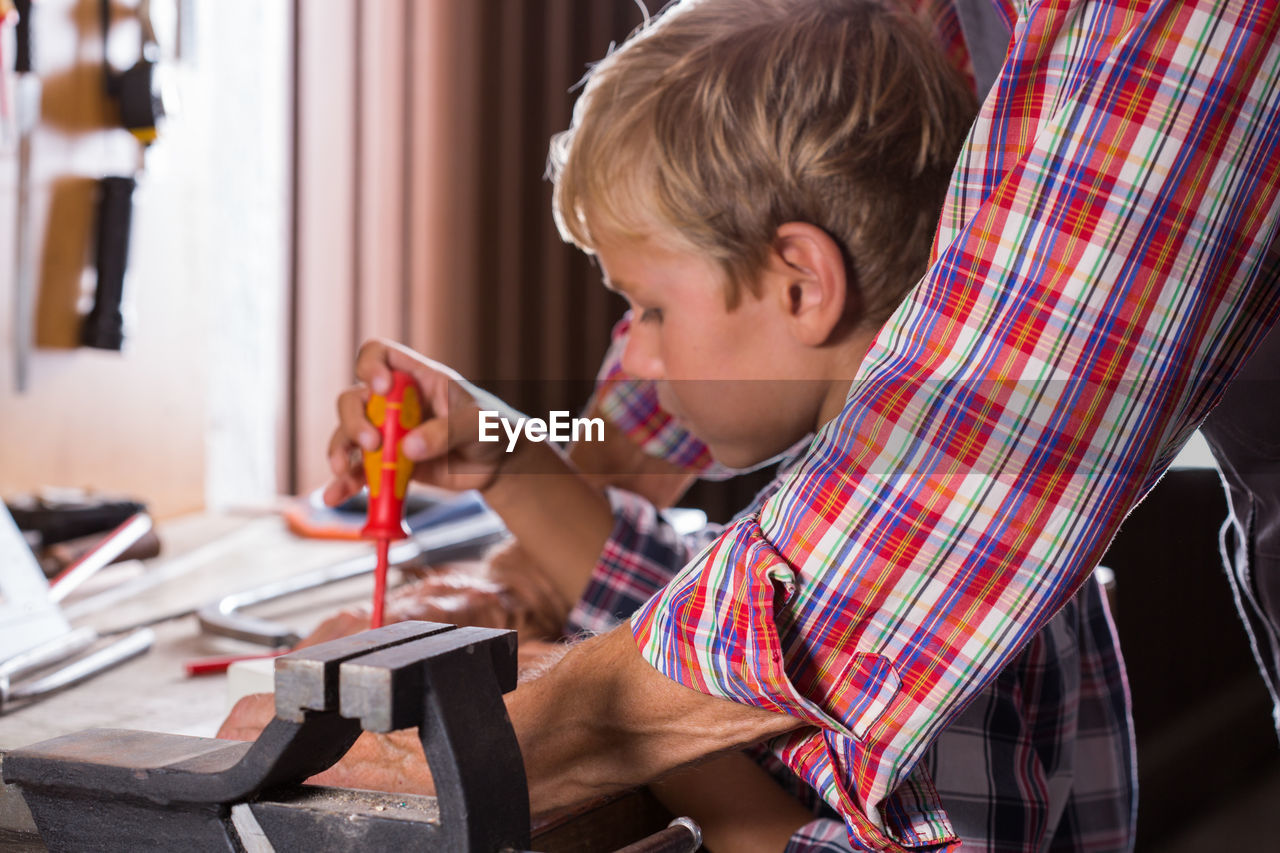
(444, 246)
(139, 421)
(380, 170)
(550, 320)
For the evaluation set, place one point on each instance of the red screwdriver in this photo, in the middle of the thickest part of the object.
(387, 472)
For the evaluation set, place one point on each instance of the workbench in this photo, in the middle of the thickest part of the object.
(206, 557)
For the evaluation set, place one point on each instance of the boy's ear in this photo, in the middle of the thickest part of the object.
(806, 275)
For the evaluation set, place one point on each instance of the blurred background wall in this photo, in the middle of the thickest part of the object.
(329, 171)
(189, 412)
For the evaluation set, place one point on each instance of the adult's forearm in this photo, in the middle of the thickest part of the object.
(603, 720)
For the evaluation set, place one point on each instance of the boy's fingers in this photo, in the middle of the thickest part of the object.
(340, 489)
(466, 423)
(353, 424)
(435, 382)
(449, 405)
(378, 357)
(344, 456)
(372, 367)
(460, 430)
(427, 440)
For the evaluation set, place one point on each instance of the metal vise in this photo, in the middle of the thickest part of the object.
(121, 790)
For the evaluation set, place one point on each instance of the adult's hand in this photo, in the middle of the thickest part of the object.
(248, 717)
(392, 762)
(507, 591)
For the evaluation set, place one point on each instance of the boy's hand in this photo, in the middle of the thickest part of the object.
(445, 447)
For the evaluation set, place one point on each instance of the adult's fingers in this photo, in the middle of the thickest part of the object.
(344, 623)
(248, 718)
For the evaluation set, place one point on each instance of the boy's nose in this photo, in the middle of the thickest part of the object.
(640, 359)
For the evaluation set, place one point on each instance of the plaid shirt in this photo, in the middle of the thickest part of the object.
(1098, 278)
(1043, 759)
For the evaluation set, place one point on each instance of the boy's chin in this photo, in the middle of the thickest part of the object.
(748, 455)
(737, 457)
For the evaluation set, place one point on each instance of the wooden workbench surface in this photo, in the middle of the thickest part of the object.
(205, 557)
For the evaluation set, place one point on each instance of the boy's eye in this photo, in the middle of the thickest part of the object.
(651, 315)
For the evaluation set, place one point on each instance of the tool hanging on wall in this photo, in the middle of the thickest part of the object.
(26, 96)
(103, 326)
(137, 91)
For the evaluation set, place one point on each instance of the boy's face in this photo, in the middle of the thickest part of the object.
(735, 379)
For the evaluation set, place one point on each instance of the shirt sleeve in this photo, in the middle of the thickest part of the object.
(1100, 272)
(642, 554)
(822, 835)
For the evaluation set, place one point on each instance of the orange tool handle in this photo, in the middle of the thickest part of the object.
(386, 469)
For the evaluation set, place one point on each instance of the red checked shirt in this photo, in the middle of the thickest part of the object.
(1041, 760)
(1101, 271)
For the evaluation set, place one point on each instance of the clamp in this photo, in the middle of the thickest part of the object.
(119, 790)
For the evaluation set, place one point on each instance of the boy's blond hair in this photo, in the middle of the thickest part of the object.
(724, 119)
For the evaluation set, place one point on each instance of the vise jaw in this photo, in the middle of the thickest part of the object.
(119, 790)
